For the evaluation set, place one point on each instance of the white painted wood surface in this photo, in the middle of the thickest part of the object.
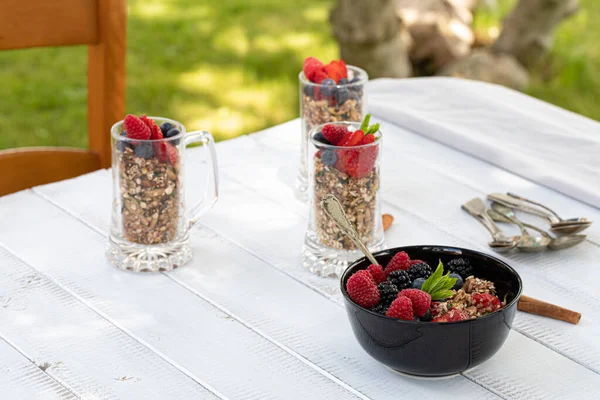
(243, 320)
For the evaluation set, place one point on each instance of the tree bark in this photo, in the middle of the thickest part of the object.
(371, 36)
(527, 31)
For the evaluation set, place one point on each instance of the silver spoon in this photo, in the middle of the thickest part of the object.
(334, 209)
(505, 214)
(560, 220)
(500, 243)
(528, 243)
(557, 226)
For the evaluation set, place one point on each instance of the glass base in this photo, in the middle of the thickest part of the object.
(325, 261)
(301, 188)
(148, 258)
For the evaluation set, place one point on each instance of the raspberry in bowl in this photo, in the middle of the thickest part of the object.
(431, 311)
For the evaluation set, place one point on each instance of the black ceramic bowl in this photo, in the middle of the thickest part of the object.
(429, 348)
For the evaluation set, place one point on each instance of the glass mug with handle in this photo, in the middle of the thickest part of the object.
(150, 221)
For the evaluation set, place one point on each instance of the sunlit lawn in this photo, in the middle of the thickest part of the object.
(230, 66)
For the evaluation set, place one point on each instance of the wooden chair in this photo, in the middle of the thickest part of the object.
(100, 24)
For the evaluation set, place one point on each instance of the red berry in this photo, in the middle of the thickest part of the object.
(364, 161)
(413, 262)
(486, 302)
(399, 261)
(401, 308)
(362, 289)
(311, 67)
(336, 70)
(166, 152)
(370, 138)
(319, 76)
(334, 133)
(136, 128)
(351, 138)
(421, 301)
(155, 132)
(452, 316)
(377, 273)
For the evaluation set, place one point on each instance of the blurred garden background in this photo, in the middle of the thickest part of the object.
(231, 67)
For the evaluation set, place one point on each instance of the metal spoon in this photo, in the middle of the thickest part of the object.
(334, 209)
(560, 220)
(500, 243)
(557, 226)
(528, 243)
(505, 214)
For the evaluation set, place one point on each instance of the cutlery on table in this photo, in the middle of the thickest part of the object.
(501, 242)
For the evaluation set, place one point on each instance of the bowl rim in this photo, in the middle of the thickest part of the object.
(406, 248)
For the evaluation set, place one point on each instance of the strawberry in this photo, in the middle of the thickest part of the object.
(334, 133)
(370, 138)
(452, 316)
(336, 70)
(351, 139)
(319, 76)
(364, 162)
(136, 128)
(486, 302)
(155, 132)
(166, 152)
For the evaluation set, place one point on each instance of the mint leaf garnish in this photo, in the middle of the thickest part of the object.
(365, 124)
(373, 129)
(439, 285)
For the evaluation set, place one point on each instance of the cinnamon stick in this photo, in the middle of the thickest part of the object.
(538, 307)
(387, 221)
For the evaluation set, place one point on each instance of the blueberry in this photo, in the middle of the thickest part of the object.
(343, 81)
(341, 96)
(328, 88)
(122, 145)
(166, 127)
(356, 79)
(124, 133)
(308, 90)
(459, 281)
(171, 133)
(427, 316)
(418, 283)
(320, 138)
(328, 157)
(144, 150)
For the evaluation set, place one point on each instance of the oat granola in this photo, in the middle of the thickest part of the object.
(150, 198)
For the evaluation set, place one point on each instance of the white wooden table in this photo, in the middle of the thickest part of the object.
(244, 320)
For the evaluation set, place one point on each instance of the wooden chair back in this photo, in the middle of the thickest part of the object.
(99, 24)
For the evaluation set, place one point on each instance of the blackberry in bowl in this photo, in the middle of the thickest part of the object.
(439, 336)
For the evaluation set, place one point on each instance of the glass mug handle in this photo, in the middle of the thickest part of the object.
(211, 193)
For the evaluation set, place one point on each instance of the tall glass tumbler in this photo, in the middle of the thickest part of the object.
(321, 104)
(351, 174)
(150, 220)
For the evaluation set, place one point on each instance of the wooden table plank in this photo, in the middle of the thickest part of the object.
(76, 347)
(159, 314)
(21, 379)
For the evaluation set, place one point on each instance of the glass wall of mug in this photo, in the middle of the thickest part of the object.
(322, 103)
(352, 174)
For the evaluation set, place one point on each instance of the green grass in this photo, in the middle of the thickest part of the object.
(230, 66)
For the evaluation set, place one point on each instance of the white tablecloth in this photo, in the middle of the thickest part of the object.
(244, 320)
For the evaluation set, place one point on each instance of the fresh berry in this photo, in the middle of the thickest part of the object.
(380, 309)
(136, 128)
(413, 262)
(377, 273)
(362, 289)
(343, 81)
(452, 316)
(421, 270)
(400, 260)
(171, 133)
(400, 279)
(308, 90)
(328, 157)
(387, 292)
(122, 145)
(421, 301)
(401, 308)
(334, 133)
(418, 283)
(319, 137)
(336, 70)
(341, 96)
(426, 317)
(351, 138)
(311, 67)
(459, 281)
(155, 132)
(437, 309)
(363, 162)
(144, 150)
(166, 127)
(461, 266)
(486, 302)
(328, 87)
(319, 77)
(370, 138)
(166, 152)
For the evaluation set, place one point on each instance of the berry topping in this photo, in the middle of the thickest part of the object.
(380, 309)
(486, 302)
(377, 273)
(461, 266)
(362, 289)
(334, 133)
(413, 262)
(320, 138)
(155, 132)
(311, 67)
(401, 308)
(400, 279)
(421, 270)
(166, 127)
(343, 81)
(426, 317)
(328, 157)
(341, 95)
(387, 292)
(418, 283)
(351, 138)
(459, 281)
(370, 138)
(336, 70)
(452, 316)
(136, 128)
(144, 150)
(329, 87)
(166, 152)
(400, 260)
(421, 301)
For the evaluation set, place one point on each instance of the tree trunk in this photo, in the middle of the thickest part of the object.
(527, 31)
(370, 35)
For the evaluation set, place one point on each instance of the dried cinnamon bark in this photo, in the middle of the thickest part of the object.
(538, 307)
